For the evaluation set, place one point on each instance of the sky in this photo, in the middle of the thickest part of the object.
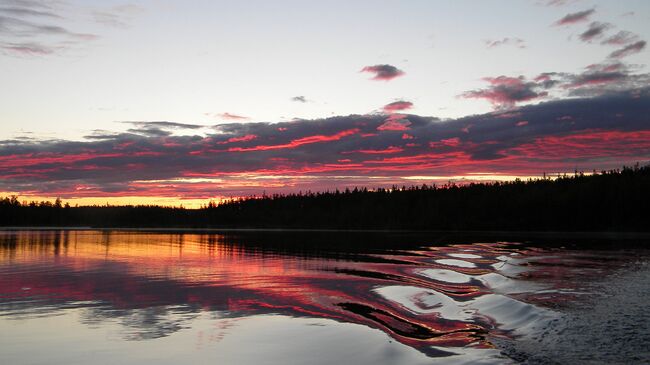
(175, 102)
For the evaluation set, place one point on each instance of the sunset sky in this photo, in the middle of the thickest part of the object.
(176, 102)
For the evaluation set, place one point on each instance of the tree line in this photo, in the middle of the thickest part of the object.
(617, 200)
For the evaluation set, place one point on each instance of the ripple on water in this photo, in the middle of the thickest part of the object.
(448, 302)
(448, 276)
(464, 255)
(457, 263)
(424, 301)
(505, 285)
(499, 310)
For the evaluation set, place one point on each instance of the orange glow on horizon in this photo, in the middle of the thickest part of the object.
(120, 200)
(283, 182)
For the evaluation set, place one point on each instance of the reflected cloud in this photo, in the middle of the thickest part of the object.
(154, 285)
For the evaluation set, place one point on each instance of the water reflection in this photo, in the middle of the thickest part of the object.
(440, 300)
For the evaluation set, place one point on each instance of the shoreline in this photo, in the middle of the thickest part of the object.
(532, 234)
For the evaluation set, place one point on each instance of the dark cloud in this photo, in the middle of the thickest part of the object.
(621, 38)
(24, 11)
(548, 80)
(597, 79)
(227, 116)
(230, 116)
(383, 72)
(596, 132)
(555, 2)
(165, 124)
(150, 132)
(515, 42)
(99, 134)
(29, 28)
(628, 50)
(595, 31)
(505, 92)
(577, 17)
(598, 74)
(299, 99)
(602, 79)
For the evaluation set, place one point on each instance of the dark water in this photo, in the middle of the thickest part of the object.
(102, 297)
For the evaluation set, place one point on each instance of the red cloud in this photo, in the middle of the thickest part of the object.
(507, 115)
(389, 150)
(560, 136)
(297, 142)
(449, 142)
(397, 106)
(51, 158)
(585, 145)
(246, 138)
(395, 122)
(383, 72)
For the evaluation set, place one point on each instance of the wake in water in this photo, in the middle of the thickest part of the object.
(476, 302)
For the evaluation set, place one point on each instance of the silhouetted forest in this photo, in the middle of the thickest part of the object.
(617, 200)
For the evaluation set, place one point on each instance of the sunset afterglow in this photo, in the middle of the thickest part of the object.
(101, 106)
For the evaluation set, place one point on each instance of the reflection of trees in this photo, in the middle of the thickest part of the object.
(152, 285)
(143, 323)
(118, 278)
(147, 307)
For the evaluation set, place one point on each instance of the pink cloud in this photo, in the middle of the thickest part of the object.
(388, 150)
(621, 38)
(448, 142)
(395, 122)
(628, 50)
(246, 138)
(505, 92)
(574, 18)
(508, 115)
(383, 72)
(315, 147)
(584, 145)
(297, 142)
(397, 106)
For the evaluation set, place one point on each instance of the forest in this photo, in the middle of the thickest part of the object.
(615, 200)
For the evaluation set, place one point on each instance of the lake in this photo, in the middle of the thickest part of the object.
(246, 297)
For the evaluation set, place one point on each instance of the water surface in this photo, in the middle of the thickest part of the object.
(106, 297)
